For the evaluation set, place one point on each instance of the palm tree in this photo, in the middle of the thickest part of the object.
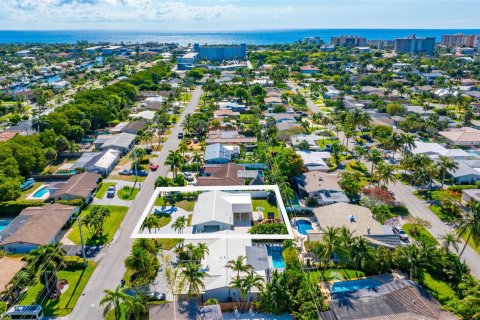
(245, 286)
(187, 123)
(360, 251)
(450, 240)
(408, 141)
(197, 158)
(470, 224)
(239, 265)
(150, 222)
(47, 260)
(385, 173)
(374, 156)
(194, 278)
(174, 160)
(139, 260)
(412, 256)
(444, 165)
(113, 300)
(180, 224)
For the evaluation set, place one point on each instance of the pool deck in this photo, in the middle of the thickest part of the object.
(44, 197)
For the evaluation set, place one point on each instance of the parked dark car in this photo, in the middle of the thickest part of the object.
(148, 150)
(180, 135)
(125, 172)
(401, 233)
(140, 173)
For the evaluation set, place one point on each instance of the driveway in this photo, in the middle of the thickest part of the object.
(115, 201)
(110, 269)
(177, 213)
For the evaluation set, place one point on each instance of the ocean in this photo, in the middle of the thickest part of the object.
(233, 37)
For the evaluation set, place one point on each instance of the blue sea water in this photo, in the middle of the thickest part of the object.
(233, 37)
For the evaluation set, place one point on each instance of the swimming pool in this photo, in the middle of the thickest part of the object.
(277, 257)
(473, 153)
(354, 285)
(40, 193)
(4, 223)
(303, 226)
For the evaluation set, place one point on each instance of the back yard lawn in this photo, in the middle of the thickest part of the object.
(109, 227)
(267, 206)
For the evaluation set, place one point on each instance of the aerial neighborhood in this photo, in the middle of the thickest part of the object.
(322, 179)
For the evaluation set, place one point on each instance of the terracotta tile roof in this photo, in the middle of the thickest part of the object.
(8, 269)
(222, 175)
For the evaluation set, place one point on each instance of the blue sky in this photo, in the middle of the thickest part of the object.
(224, 15)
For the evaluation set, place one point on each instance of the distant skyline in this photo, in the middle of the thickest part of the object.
(237, 15)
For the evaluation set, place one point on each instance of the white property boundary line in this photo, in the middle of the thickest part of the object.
(137, 234)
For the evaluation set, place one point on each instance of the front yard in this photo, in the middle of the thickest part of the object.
(77, 277)
(109, 227)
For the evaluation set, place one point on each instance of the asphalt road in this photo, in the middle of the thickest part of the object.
(110, 268)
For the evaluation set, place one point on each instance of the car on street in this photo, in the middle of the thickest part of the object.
(148, 150)
(188, 176)
(140, 173)
(125, 172)
(111, 192)
(180, 135)
(401, 233)
(153, 166)
(156, 296)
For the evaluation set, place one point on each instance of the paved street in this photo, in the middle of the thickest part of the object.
(110, 268)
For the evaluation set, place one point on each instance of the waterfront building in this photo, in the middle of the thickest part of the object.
(348, 41)
(415, 44)
(221, 52)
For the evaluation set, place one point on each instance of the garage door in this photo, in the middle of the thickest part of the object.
(212, 228)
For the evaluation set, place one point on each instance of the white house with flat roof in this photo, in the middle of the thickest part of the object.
(314, 160)
(435, 150)
(218, 211)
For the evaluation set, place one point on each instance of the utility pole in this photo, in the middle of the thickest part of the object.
(82, 243)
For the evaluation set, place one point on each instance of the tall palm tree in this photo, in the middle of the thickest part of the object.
(413, 258)
(174, 160)
(150, 222)
(47, 260)
(385, 174)
(180, 224)
(245, 286)
(194, 278)
(450, 240)
(408, 142)
(113, 300)
(444, 165)
(187, 123)
(139, 260)
(470, 225)
(374, 156)
(239, 265)
(197, 158)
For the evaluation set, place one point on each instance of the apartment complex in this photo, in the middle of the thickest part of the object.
(415, 44)
(459, 40)
(221, 52)
(348, 41)
(380, 44)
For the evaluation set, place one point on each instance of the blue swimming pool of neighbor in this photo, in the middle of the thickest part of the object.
(354, 285)
(40, 192)
(277, 258)
(4, 223)
(303, 226)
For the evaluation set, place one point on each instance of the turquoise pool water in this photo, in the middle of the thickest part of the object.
(354, 285)
(73, 171)
(473, 153)
(277, 258)
(303, 226)
(4, 223)
(41, 192)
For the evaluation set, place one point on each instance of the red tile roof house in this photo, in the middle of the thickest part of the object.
(79, 186)
(221, 175)
(35, 226)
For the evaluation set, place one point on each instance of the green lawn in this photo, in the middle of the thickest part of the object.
(323, 142)
(168, 244)
(268, 207)
(103, 189)
(438, 288)
(335, 274)
(471, 243)
(126, 178)
(424, 234)
(77, 278)
(127, 193)
(110, 227)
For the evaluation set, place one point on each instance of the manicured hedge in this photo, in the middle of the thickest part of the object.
(16, 206)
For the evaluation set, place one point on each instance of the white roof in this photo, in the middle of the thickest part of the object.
(313, 158)
(107, 159)
(218, 150)
(153, 99)
(220, 206)
(147, 115)
(119, 140)
(436, 149)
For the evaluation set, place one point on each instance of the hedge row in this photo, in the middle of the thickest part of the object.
(16, 206)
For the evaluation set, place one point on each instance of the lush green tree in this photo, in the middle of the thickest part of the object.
(61, 143)
(194, 278)
(470, 225)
